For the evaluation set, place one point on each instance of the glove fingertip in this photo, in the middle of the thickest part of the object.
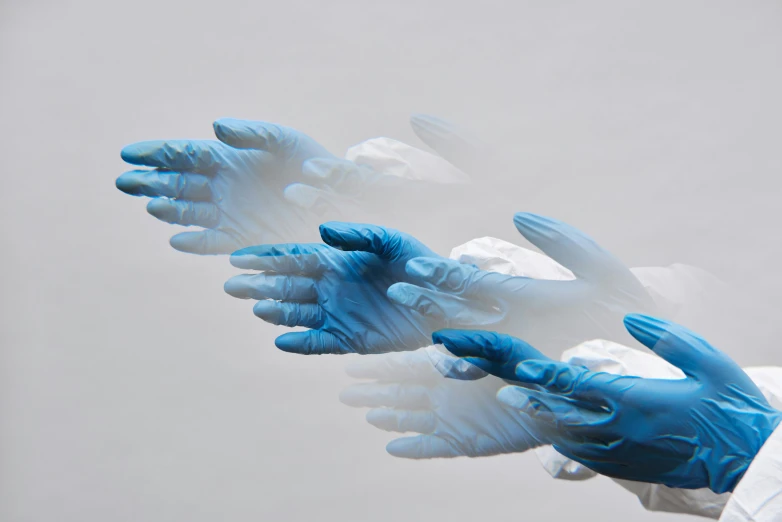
(440, 337)
(333, 233)
(399, 293)
(448, 337)
(233, 132)
(302, 195)
(244, 258)
(266, 310)
(188, 242)
(512, 397)
(225, 124)
(349, 396)
(646, 329)
(401, 448)
(132, 153)
(127, 183)
(380, 418)
(288, 343)
(237, 286)
(524, 220)
(159, 207)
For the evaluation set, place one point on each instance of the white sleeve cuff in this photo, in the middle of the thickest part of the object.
(758, 497)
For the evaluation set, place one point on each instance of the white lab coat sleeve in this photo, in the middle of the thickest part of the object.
(394, 158)
(496, 255)
(758, 497)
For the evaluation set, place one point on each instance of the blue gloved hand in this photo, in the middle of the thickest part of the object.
(237, 196)
(279, 188)
(700, 431)
(553, 315)
(339, 290)
(453, 418)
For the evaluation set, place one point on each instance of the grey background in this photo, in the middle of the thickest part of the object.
(133, 388)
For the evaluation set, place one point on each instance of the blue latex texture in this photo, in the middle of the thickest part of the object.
(447, 417)
(338, 291)
(700, 431)
(552, 315)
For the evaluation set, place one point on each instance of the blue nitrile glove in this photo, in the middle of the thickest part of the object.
(553, 315)
(700, 431)
(453, 418)
(237, 196)
(339, 290)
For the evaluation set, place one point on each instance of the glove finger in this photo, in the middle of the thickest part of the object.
(201, 156)
(246, 134)
(497, 354)
(571, 248)
(575, 382)
(386, 243)
(155, 183)
(454, 144)
(492, 346)
(454, 367)
(272, 286)
(311, 342)
(470, 282)
(418, 421)
(447, 309)
(686, 350)
(286, 258)
(553, 414)
(187, 213)
(422, 447)
(308, 315)
(390, 395)
(204, 242)
(265, 136)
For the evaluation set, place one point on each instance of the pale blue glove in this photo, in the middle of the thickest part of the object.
(339, 291)
(237, 196)
(700, 431)
(553, 315)
(278, 189)
(453, 418)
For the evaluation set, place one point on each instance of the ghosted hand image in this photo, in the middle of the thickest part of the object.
(263, 182)
(363, 205)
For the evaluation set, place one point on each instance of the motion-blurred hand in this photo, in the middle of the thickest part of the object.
(237, 196)
(452, 417)
(553, 314)
(265, 183)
